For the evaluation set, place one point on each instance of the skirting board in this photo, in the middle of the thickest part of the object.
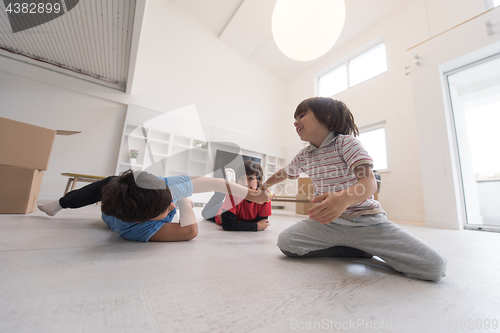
(443, 224)
(405, 217)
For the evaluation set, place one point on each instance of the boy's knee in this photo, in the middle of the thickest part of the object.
(437, 268)
(282, 240)
(434, 270)
(286, 244)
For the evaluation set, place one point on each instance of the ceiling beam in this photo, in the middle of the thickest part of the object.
(249, 26)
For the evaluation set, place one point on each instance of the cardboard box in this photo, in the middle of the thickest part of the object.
(19, 189)
(305, 186)
(303, 207)
(24, 145)
(24, 152)
(305, 191)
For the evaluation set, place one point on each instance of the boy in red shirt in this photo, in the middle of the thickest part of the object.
(243, 215)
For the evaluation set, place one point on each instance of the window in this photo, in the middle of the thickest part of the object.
(374, 142)
(496, 3)
(367, 65)
(353, 71)
(333, 82)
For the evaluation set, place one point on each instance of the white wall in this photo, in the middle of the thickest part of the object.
(389, 96)
(439, 161)
(93, 152)
(179, 63)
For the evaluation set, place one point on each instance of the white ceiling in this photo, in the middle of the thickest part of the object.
(89, 39)
(245, 26)
(94, 40)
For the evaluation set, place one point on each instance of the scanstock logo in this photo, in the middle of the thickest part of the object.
(27, 14)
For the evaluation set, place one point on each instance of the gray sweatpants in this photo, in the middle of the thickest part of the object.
(398, 248)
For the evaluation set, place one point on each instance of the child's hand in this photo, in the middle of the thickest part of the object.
(330, 207)
(261, 196)
(271, 195)
(262, 224)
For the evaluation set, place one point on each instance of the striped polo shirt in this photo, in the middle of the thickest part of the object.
(331, 169)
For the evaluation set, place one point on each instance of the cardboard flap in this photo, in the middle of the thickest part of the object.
(63, 132)
(25, 145)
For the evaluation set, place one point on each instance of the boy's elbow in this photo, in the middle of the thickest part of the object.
(192, 232)
(368, 187)
(227, 226)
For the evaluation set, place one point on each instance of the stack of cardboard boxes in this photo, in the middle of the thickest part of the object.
(24, 156)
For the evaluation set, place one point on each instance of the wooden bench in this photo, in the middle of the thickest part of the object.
(75, 177)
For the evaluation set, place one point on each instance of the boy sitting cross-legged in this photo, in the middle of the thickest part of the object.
(346, 220)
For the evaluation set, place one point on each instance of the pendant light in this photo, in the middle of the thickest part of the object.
(306, 29)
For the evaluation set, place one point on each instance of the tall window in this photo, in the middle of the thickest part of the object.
(373, 140)
(353, 71)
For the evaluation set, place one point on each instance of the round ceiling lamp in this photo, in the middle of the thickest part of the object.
(306, 29)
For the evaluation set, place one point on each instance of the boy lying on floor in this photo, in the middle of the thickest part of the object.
(139, 206)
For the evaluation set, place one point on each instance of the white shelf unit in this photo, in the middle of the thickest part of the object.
(273, 164)
(139, 139)
(180, 145)
(167, 154)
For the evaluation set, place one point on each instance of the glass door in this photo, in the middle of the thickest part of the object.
(475, 99)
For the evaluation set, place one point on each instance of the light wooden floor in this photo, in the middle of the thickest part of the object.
(70, 273)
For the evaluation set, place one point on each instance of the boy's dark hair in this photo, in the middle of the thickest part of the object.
(135, 197)
(330, 112)
(250, 168)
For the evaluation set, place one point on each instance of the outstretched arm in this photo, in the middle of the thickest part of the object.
(278, 177)
(207, 184)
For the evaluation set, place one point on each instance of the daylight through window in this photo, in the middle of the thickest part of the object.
(353, 71)
(367, 65)
(374, 142)
(333, 82)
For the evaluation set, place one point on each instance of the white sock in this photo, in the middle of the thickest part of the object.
(50, 208)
